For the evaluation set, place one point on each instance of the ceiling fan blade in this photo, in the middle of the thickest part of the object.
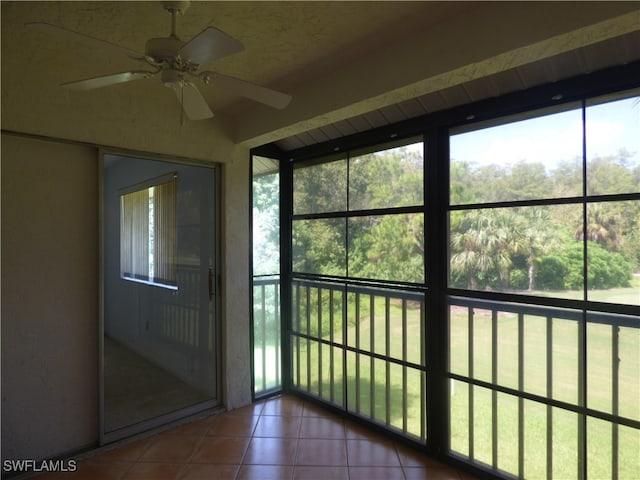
(86, 40)
(106, 80)
(193, 103)
(249, 90)
(209, 45)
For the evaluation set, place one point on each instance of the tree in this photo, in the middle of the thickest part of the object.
(602, 226)
(612, 174)
(564, 269)
(266, 224)
(479, 246)
(462, 183)
(538, 238)
(320, 188)
(389, 247)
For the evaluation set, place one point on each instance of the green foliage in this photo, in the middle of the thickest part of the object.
(606, 269)
(386, 247)
(266, 224)
(320, 188)
(552, 273)
(391, 178)
(488, 246)
(519, 279)
(563, 270)
(520, 248)
(612, 174)
(319, 246)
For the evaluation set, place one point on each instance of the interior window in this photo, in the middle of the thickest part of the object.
(148, 233)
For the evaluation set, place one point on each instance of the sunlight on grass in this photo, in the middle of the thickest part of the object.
(393, 394)
(627, 296)
(563, 385)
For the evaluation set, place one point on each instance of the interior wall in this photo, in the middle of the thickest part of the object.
(235, 282)
(50, 312)
(49, 298)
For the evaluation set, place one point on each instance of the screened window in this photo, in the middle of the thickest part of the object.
(561, 163)
(548, 207)
(358, 311)
(266, 331)
(523, 159)
(148, 246)
(503, 302)
(320, 188)
(361, 216)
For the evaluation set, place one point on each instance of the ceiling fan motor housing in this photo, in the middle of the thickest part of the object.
(163, 49)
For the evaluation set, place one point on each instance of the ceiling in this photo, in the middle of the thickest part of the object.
(620, 50)
(349, 66)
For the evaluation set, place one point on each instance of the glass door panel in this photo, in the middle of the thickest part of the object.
(159, 337)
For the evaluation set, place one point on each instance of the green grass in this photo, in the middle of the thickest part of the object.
(627, 295)
(379, 391)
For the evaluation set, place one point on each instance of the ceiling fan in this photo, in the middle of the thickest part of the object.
(178, 64)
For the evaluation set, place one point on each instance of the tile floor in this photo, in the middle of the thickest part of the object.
(284, 438)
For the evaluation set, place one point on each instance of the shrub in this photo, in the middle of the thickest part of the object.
(606, 269)
(564, 269)
(551, 273)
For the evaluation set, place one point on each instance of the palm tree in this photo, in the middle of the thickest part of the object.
(537, 240)
(601, 227)
(479, 243)
(485, 242)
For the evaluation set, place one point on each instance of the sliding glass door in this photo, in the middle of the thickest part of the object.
(159, 335)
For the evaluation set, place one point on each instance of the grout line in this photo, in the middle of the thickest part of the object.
(395, 449)
(292, 463)
(295, 455)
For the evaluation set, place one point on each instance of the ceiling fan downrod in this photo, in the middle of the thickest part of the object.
(175, 7)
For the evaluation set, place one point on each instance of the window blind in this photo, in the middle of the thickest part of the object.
(148, 243)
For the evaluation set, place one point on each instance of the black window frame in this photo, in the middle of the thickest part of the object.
(434, 128)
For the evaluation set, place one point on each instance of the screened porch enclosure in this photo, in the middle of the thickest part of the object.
(474, 289)
(351, 348)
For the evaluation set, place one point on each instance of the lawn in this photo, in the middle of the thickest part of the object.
(375, 387)
(627, 296)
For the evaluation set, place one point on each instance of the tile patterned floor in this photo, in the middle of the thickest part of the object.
(284, 438)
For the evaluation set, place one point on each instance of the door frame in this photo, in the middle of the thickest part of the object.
(106, 437)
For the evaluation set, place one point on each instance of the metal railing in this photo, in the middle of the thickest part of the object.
(362, 348)
(267, 356)
(521, 375)
(564, 372)
(180, 318)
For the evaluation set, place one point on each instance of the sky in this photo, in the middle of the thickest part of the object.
(555, 137)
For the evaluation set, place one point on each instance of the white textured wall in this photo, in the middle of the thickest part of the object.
(236, 295)
(49, 298)
(50, 284)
